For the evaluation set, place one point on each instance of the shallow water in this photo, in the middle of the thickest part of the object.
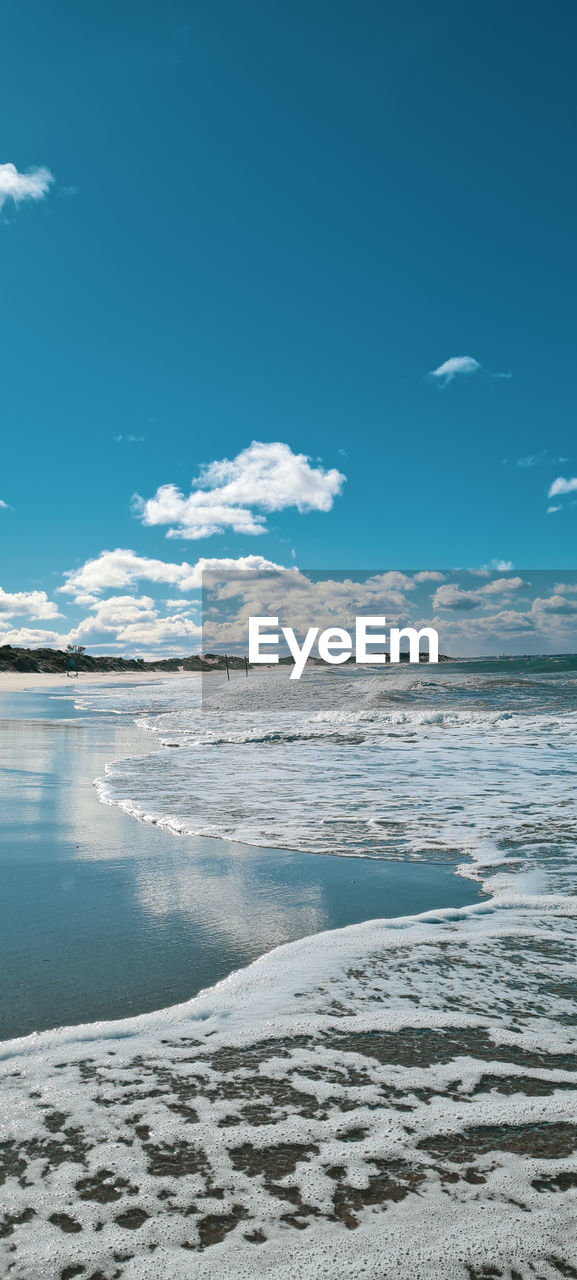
(101, 917)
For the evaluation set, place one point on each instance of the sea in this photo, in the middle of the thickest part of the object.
(385, 1083)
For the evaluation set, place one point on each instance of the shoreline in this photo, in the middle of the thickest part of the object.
(392, 1096)
(24, 681)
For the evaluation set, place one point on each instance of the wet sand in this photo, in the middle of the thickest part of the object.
(103, 917)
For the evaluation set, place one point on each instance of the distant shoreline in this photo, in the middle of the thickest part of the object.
(24, 681)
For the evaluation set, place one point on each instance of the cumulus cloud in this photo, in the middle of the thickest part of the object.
(118, 611)
(113, 570)
(473, 613)
(453, 596)
(556, 605)
(502, 586)
(126, 623)
(562, 486)
(544, 623)
(301, 602)
(268, 477)
(132, 620)
(490, 627)
(461, 366)
(195, 517)
(30, 638)
(34, 184)
(157, 631)
(35, 604)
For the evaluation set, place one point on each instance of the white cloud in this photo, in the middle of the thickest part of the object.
(429, 575)
(502, 586)
(121, 623)
(195, 517)
(30, 638)
(555, 605)
(34, 603)
(117, 611)
(128, 439)
(123, 608)
(455, 365)
(32, 185)
(158, 630)
(130, 620)
(453, 596)
(269, 477)
(502, 566)
(296, 599)
(5, 506)
(458, 366)
(493, 626)
(112, 570)
(537, 459)
(552, 510)
(544, 624)
(561, 485)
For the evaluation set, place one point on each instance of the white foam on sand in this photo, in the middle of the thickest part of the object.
(397, 1094)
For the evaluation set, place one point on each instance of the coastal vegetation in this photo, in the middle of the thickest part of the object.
(53, 661)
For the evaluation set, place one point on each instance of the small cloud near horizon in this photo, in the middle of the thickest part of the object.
(128, 439)
(543, 458)
(457, 366)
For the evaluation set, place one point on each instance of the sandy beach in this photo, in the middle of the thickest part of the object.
(26, 681)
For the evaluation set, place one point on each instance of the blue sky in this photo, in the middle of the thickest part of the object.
(271, 222)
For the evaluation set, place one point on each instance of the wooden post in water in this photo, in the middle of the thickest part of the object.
(245, 665)
(226, 665)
